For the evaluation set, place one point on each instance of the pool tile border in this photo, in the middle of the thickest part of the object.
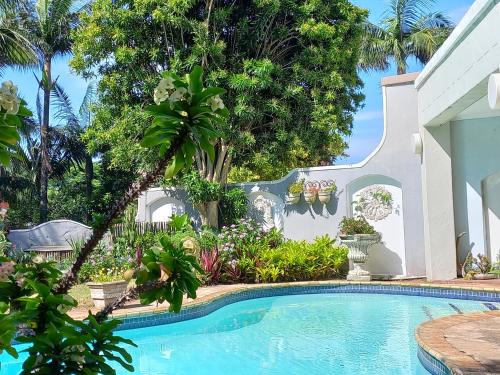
(213, 302)
(431, 363)
(438, 356)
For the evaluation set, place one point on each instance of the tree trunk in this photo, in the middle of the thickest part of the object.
(213, 172)
(209, 213)
(44, 130)
(146, 179)
(401, 69)
(89, 177)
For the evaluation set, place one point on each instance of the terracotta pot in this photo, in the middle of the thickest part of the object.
(293, 198)
(103, 294)
(324, 196)
(310, 196)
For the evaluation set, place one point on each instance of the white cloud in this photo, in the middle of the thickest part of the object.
(368, 115)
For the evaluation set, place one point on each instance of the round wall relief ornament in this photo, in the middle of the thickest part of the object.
(374, 203)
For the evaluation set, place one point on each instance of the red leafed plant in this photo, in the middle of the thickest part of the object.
(211, 264)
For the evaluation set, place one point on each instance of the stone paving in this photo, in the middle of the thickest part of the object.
(467, 344)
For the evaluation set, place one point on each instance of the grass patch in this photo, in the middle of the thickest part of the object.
(81, 293)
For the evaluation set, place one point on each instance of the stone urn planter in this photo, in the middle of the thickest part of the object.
(358, 245)
(310, 196)
(484, 276)
(293, 198)
(105, 293)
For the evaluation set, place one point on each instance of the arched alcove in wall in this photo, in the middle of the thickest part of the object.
(163, 208)
(490, 187)
(379, 199)
(267, 209)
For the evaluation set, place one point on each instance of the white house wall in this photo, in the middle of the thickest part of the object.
(457, 75)
(394, 158)
(475, 156)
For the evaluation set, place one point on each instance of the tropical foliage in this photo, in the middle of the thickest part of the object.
(12, 109)
(289, 68)
(33, 294)
(15, 48)
(408, 29)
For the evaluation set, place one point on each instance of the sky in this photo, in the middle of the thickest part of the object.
(368, 122)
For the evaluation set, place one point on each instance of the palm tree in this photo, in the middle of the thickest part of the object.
(407, 29)
(15, 48)
(73, 125)
(50, 24)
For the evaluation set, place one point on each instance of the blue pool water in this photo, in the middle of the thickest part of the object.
(300, 334)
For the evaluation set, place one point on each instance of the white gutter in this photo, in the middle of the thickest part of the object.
(469, 21)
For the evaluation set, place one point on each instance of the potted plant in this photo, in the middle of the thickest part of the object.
(325, 193)
(294, 191)
(358, 235)
(310, 194)
(106, 286)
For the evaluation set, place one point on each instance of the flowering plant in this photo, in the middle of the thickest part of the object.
(237, 238)
(11, 109)
(181, 102)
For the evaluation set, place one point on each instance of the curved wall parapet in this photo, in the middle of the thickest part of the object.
(51, 233)
(394, 159)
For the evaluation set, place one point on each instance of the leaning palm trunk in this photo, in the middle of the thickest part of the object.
(89, 177)
(144, 181)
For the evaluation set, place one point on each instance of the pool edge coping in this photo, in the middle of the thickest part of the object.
(431, 340)
(239, 288)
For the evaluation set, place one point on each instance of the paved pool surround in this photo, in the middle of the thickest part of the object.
(461, 344)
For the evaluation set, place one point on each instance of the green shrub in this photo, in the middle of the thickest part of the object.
(296, 187)
(355, 225)
(300, 260)
(233, 205)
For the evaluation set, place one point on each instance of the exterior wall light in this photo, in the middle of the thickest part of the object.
(416, 141)
(494, 91)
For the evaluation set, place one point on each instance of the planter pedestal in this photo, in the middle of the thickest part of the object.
(103, 294)
(358, 245)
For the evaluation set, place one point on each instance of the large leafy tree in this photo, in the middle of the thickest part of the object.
(289, 68)
(408, 29)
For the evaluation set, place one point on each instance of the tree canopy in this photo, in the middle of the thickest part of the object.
(289, 68)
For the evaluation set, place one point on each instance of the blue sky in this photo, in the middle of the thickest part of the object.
(368, 123)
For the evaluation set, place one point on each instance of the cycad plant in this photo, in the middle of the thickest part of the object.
(407, 29)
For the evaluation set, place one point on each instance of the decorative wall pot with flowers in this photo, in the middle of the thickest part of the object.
(294, 191)
(311, 191)
(326, 190)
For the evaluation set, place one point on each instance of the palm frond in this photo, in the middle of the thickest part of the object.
(15, 49)
(84, 113)
(64, 109)
(373, 50)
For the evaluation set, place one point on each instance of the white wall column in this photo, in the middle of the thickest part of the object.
(439, 226)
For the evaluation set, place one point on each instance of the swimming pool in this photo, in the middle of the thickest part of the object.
(339, 333)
